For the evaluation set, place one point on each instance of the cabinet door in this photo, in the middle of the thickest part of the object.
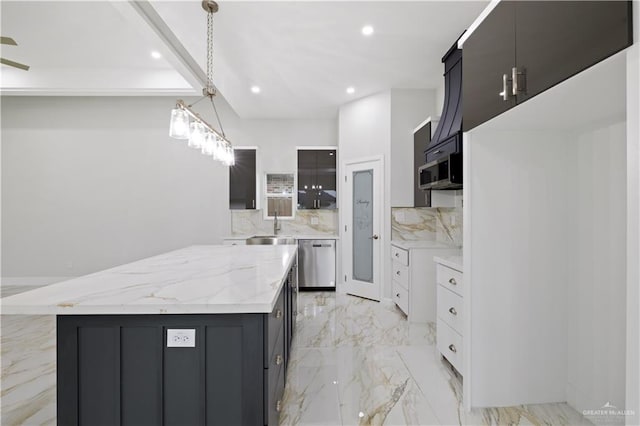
(326, 189)
(306, 179)
(558, 39)
(488, 54)
(421, 139)
(242, 180)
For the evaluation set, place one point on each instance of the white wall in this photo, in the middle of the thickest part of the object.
(633, 222)
(364, 130)
(277, 140)
(89, 183)
(382, 124)
(516, 279)
(596, 290)
(409, 108)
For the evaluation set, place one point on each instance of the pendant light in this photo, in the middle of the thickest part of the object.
(186, 124)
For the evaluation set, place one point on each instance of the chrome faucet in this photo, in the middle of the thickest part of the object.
(276, 225)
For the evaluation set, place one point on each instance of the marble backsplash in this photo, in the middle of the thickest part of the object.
(305, 222)
(442, 224)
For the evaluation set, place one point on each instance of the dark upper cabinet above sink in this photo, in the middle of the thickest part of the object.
(242, 180)
(317, 179)
(540, 44)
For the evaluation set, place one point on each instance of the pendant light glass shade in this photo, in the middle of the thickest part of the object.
(218, 153)
(229, 159)
(179, 126)
(209, 144)
(196, 135)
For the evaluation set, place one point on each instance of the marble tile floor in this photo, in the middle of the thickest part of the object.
(354, 362)
(358, 362)
(28, 354)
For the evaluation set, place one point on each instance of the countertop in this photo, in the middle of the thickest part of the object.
(192, 280)
(454, 262)
(297, 237)
(421, 244)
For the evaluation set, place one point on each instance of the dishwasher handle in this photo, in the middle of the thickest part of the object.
(321, 245)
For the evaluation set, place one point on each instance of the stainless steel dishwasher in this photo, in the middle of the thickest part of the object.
(317, 264)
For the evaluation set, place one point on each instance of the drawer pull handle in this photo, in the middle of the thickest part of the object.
(278, 314)
(452, 281)
(438, 151)
(453, 311)
(397, 254)
(453, 349)
(279, 406)
(397, 272)
(398, 295)
(278, 359)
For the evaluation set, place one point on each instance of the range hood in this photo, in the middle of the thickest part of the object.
(450, 127)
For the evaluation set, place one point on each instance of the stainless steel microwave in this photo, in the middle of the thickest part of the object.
(444, 173)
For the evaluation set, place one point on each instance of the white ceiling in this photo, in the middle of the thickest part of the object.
(302, 54)
(84, 48)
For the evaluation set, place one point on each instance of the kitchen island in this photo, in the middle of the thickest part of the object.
(195, 336)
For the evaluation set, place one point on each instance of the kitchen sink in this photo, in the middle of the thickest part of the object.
(270, 240)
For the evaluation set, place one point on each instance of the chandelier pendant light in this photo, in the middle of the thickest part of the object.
(186, 124)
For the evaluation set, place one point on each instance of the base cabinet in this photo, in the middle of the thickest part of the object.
(124, 369)
(450, 315)
(414, 280)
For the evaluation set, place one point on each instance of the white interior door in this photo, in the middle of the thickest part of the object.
(362, 240)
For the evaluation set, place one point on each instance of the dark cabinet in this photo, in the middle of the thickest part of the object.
(421, 139)
(317, 179)
(488, 55)
(119, 369)
(523, 48)
(242, 180)
(556, 40)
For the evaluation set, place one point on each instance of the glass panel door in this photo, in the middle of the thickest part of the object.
(363, 225)
(361, 235)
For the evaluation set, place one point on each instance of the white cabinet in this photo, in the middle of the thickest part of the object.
(414, 277)
(450, 314)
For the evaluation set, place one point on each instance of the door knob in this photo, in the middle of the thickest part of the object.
(375, 236)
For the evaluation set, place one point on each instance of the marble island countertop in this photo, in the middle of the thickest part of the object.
(192, 280)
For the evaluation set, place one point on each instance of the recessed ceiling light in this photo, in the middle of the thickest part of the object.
(367, 30)
(156, 55)
(255, 89)
(351, 90)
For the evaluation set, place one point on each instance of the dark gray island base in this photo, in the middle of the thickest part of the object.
(118, 370)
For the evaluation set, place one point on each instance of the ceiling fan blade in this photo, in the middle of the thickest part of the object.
(14, 64)
(8, 40)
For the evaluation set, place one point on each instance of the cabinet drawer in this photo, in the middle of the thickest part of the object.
(274, 322)
(401, 274)
(401, 297)
(450, 345)
(450, 308)
(400, 255)
(274, 391)
(276, 357)
(450, 278)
